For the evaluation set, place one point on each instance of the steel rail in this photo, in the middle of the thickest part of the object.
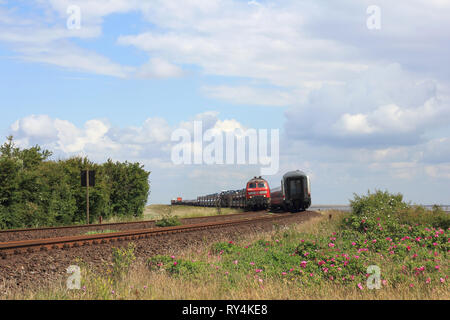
(29, 246)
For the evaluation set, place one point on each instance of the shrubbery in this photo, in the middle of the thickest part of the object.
(35, 191)
(409, 244)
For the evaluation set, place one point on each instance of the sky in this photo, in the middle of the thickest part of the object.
(360, 95)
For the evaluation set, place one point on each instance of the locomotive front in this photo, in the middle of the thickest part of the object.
(257, 194)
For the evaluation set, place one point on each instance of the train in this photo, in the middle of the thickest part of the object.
(294, 194)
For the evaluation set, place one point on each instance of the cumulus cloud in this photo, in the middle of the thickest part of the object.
(384, 106)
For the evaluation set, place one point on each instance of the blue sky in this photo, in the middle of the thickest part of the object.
(357, 108)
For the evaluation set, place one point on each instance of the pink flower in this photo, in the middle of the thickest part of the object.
(303, 264)
(260, 280)
(252, 263)
(428, 280)
(374, 241)
(227, 273)
(325, 270)
(442, 280)
(360, 286)
(311, 274)
(235, 262)
(414, 255)
(356, 257)
(175, 263)
(384, 282)
(283, 273)
(331, 245)
(173, 257)
(258, 270)
(292, 269)
(411, 285)
(353, 243)
(437, 267)
(306, 254)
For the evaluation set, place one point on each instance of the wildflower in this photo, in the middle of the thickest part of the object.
(231, 242)
(258, 270)
(173, 257)
(360, 286)
(292, 269)
(414, 255)
(428, 280)
(356, 257)
(306, 254)
(437, 267)
(235, 262)
(113, 292)
(384, 282)
(311, 274)
(303, 264)
(353, 243)
(408, 248)
(374, 241)
(325, 270)
(260, 280)
(145, 287)
(284, 273)
(321, 262)
(411, 285)
(442, 280)
(331, 245)
(227, 273)
(175, 263)
(252, 263)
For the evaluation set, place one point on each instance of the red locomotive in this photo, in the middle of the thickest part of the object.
(257, 194)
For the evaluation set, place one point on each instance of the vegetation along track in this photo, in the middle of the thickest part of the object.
(29, 246)
(53, 232)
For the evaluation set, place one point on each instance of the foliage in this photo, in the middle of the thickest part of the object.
(122, 259)
(168, 221)
(409, 245)
(36, 191)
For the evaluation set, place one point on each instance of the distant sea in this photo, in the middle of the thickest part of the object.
(344, 207)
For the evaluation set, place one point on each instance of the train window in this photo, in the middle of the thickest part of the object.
(261, 185)
(296, 187)
(252, 185)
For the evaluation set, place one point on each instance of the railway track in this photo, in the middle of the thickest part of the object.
(50, 232)
(67, 242)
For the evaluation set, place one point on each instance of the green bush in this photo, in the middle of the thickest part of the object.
(35, 191)
(168, 221)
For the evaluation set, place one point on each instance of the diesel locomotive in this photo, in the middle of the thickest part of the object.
(255, 196)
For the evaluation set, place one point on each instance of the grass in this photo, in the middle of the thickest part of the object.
(160, 211)
(99, 232)
(225, 270)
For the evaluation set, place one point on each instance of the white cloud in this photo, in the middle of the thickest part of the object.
(246, 95)
(159, 68)
(384, 106)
